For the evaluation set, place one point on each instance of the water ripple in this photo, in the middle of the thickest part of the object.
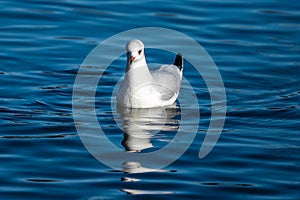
(256, 48)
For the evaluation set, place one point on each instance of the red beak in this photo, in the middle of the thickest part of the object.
(132, 58)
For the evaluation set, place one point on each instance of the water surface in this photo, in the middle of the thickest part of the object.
(256, 48)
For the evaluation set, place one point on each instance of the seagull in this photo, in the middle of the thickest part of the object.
(143, 88)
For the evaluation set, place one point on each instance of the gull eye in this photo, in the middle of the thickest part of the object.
(140, 51)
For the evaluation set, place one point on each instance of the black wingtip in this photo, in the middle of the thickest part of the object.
(179, 61)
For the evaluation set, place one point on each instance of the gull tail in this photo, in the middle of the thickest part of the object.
(179, 61)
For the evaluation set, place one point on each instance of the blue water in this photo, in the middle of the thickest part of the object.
(256, 46)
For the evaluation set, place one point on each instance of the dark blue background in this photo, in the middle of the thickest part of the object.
(255, 45)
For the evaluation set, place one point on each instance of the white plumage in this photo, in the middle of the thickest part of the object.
(144, 89)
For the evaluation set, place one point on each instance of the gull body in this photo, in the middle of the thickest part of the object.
(143, 88)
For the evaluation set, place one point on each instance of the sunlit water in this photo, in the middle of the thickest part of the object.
(255, 45)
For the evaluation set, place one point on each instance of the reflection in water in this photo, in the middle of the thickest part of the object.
(129, 191)
(140, 126)
(136, 167)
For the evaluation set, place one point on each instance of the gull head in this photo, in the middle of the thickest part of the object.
(135, 50)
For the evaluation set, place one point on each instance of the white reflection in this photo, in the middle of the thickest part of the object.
(136, 167)
(140, 125)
